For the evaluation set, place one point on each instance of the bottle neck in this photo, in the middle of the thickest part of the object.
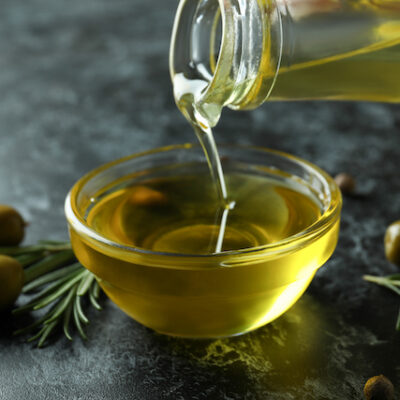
(224, 49)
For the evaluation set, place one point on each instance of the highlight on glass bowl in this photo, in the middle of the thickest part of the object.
(153, 231)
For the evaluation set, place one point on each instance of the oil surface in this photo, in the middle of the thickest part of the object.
(181, 214)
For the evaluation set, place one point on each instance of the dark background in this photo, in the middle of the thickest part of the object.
(86, 81)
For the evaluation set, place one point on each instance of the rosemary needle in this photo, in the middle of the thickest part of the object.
(59, 285)
(398, 322)
(50, 277)
(92, 296)
(391, 282)
(48, 263)
(66, 320)
(85, 284)
(79, 310)
(387, 282)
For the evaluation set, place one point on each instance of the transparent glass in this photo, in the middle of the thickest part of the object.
(243, 52)
(209, 295)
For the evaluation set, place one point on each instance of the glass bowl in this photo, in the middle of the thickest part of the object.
(205, 295)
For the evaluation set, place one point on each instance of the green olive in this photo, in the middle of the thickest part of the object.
(11, 226)
(11, 281)
(379, 388)
(392, 243)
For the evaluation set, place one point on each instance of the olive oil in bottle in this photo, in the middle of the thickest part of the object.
(243, 53)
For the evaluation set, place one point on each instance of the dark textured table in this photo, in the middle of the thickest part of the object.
(85, 82)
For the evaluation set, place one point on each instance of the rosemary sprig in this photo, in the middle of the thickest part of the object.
(391, 282)
(59, 284)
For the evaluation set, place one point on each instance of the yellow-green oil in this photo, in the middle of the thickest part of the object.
(360, 61)
(195, 293)
(370, 74)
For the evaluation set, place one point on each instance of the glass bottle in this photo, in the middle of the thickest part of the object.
(239, 53)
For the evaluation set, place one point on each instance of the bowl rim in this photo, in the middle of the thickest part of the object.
(311, 233)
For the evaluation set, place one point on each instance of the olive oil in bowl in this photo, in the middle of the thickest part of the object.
(152, 230)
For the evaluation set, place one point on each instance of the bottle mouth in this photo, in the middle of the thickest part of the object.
(223, 47)
(200, 55)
